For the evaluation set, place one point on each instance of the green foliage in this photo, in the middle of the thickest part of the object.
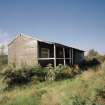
(3, 56)
(24, 100)
(16, 76)
(101, 92)
(85, 89)
(60, 68)
(50, 73)
(66, 71)
(2, 50)
(78, 100)
(92, 54)
(3, 59)
(88, 88)
(89, 64)
(21, 75)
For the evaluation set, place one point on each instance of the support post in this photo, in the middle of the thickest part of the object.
(64, 56)
(54, 55)
(70, 56)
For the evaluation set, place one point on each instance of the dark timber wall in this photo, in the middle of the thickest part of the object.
(29, 51)
(63, 54)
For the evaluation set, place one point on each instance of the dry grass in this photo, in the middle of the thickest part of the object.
(57, 93)
(51, 98)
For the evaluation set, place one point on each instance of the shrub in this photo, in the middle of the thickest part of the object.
(86, 64)
(50, 73)
(78, 100)
(92, 54)
(18, 76)
(3, 56)
(60, 68)
(22, 75)
(101, 92)
(3, 59)
(66, 71)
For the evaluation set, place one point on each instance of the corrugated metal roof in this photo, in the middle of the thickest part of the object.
(34, 38)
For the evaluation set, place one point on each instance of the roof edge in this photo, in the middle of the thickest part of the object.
(50, 42)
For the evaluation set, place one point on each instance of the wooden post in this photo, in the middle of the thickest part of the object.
(54, 55)
(70, 55)
(64, 55)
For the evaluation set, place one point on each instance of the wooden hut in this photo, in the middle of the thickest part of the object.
(25, 50)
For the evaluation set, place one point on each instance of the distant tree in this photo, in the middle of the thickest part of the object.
(92, 54)
(2, 50)
(3, 56)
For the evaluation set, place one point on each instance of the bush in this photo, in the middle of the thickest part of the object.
(18, 76)
(3, 62)
(66, 71)
(14, 76)
(50, 73)
(86, 64)
(101, 92)
(92, 54)
(78, 100)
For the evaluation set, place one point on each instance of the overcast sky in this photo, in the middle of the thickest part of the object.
(78, 23)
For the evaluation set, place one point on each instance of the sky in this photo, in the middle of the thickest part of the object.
(77, 23)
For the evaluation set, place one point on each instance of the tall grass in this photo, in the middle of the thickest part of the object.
(85, 89)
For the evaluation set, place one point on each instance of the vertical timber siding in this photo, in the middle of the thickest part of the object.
(23, 51)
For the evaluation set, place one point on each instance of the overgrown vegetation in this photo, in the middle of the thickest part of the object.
(13, 76)
(86, 88)
(62, 85)
(92, 54)
(3, 57)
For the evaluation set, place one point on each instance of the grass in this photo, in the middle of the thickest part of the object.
(81, 90)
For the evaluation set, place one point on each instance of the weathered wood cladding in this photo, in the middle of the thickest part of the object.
(23, 51)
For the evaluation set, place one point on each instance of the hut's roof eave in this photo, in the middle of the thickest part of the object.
(34, 38)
